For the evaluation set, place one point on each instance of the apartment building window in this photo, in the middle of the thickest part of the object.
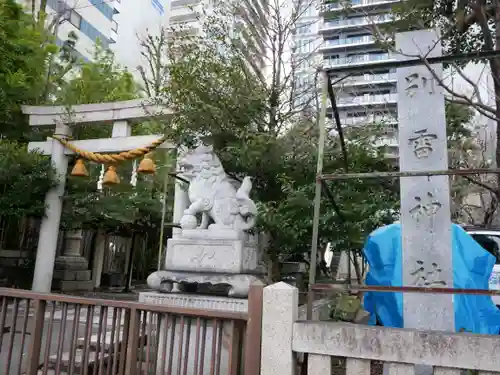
(114, 26)
(89, 30)
(358, 36)
(305, 46)
(304, 64)
(303, 83)
(304, 29)
(356, 114)
(75, 19)
(307, 9)
(104, 8)
(158, 6)
(332, 59)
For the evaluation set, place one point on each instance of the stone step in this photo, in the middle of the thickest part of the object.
(93, 357)
(71, 286)
(70, 275)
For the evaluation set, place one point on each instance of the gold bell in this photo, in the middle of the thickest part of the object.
(111, 177)
(79, 169)
(147, 165)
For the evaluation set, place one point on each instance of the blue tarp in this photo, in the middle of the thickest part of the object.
(472, 267)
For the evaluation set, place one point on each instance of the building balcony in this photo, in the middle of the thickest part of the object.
(367, 100)
(368, 120)
(390, 145)
(117, 6)
(183, 3)
(113, 36)
(366, 59)
(355, 4)
(353, 23)
(179, 31)
(183, 15)
(387, 141)
(333, 44)
(368, 79)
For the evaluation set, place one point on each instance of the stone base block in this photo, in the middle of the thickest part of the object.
(71, 263)
(231, 285)
(74, 286)
(71, 275)
(211, 255)
(192, 301)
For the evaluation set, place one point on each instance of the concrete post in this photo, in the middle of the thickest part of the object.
(279, 312)
(49, 229)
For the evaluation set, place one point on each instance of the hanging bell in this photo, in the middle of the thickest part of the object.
(111, 177)
(147, 165)
(79, 169)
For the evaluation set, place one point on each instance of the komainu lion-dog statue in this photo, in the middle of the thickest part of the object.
(212, 194)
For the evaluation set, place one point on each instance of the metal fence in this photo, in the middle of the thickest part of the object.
(52, 334)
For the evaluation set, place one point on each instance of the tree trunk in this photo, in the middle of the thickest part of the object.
(273, 270)
(41, 12)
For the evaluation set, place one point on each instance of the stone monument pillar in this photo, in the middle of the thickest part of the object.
(425, 201)
(71, 270)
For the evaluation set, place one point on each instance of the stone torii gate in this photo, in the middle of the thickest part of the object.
(123, 115)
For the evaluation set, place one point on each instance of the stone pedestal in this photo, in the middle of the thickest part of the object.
(229, 254)
(193, 301)
(71, 270)
(201, 261)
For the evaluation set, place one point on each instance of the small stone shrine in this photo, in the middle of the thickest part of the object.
(214, 253)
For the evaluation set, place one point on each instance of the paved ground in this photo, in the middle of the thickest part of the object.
(17, 357)
(50, 342)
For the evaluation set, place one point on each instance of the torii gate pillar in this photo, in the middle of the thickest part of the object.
(49, 229)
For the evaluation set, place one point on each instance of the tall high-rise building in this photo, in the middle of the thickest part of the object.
(89, 20)
(247, 17)
(305, 52)
(137, 19)
(184, 15)
(345, 38)
(117, 24)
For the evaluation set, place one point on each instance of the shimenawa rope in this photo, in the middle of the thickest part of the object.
(111, 158)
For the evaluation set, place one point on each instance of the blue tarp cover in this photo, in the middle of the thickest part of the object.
(472, 267)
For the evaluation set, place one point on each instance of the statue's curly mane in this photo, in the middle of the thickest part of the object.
(208, 168)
